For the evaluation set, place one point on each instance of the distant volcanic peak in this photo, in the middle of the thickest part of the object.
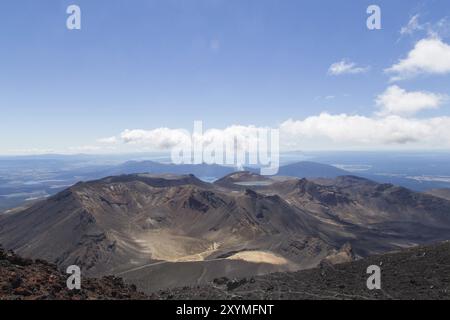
(196, 204)
(252, 194)
(274, 197)
(65, 193)
(328, 195)
(249, 193)
(304, 186)
(196, 198)
(303, 183)
(158, 181)
(237, 174)
(70, 198)
(246, 175)
(242, 176)
(353, 181)
(385, 186)
(311, 169)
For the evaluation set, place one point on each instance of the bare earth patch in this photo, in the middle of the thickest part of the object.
(259, 257)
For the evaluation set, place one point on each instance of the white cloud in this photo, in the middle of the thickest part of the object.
(160, 138)
(397, 101)
(429, 56)
(327, 131)
(389, 128)
(412, 26)
(320, 132)
(165, 138)
(109, 140)
(439, 29)
(346, 67)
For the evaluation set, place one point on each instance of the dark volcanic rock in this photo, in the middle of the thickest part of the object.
(418, 273)
(25, 279)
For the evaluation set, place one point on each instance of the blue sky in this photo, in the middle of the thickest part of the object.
(147, 64)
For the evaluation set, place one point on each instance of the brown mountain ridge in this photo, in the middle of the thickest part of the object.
(160, 231)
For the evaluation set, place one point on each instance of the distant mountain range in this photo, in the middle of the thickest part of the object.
(308, 169)
(28, 180)
(165, 230)
(304, 169)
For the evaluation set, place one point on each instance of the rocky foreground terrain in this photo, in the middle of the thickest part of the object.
(25, 279)
(417, 273)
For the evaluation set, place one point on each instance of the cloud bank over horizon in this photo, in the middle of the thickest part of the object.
(321, 132)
